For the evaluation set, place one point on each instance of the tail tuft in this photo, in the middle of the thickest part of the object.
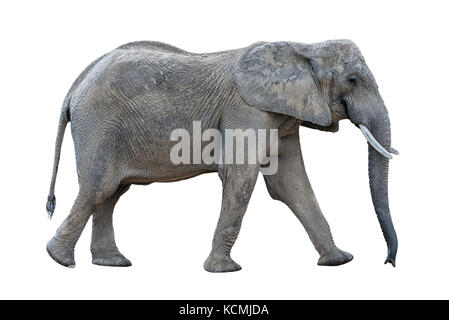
(51, 204)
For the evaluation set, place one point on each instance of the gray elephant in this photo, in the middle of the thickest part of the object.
(124, 106)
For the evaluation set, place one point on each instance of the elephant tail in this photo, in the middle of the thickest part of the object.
(63, 120)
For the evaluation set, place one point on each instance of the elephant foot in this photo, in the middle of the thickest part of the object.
(63, 252)
(220, 263)
(109, 258)
(334, 257)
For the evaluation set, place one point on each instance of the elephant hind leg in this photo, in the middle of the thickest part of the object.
(62, 246)
(103, 247)
(97, 185)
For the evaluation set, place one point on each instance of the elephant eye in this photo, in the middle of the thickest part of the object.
(352, 80)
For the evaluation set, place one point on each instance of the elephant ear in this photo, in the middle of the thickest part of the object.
(278, 77)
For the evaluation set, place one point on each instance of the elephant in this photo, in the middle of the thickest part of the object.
(125, 104)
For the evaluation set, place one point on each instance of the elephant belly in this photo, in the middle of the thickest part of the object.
(150, 175)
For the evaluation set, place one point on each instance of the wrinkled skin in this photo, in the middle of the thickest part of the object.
(124, 106)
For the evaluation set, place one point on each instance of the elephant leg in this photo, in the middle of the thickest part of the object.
(238, 184)
(103, 247)
(62, 246)
(97, 184)
(291, 185)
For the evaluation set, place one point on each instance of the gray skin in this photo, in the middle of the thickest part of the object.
(124, 106)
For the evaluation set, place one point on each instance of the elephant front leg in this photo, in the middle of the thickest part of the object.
(103, 247)
(238, 185)
(291, 186)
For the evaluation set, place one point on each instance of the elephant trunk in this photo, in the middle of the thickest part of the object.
(378, 178)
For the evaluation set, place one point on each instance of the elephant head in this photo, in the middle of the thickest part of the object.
(322, 84)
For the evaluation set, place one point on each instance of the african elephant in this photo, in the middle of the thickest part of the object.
(125, 104)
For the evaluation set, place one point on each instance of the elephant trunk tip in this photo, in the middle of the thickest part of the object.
(391, 260)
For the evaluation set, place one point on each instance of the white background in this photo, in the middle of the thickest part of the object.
(166, 229)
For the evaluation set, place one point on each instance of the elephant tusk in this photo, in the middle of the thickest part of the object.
(373, 142)
(394, 151)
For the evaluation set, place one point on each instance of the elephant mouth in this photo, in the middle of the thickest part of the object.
(375, 144)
